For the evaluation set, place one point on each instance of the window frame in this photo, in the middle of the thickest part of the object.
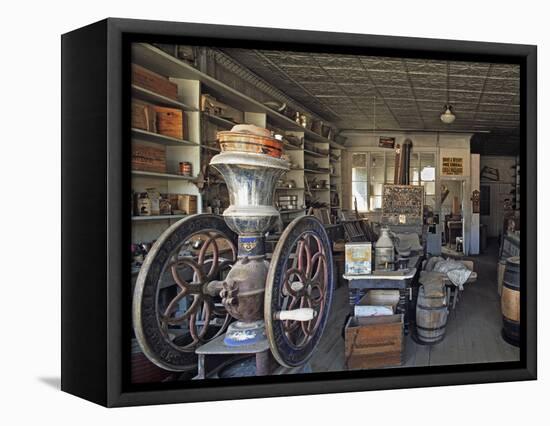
(370, 182)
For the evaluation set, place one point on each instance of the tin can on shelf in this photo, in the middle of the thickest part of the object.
(358, 258)
(185, 168)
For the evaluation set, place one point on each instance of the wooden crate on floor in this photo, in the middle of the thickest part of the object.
(374, 342)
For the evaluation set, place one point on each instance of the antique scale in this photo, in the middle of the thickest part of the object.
(207, 287)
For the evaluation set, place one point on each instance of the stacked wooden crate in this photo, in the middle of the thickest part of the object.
(153, 118)
(375, 341)
(148, 158)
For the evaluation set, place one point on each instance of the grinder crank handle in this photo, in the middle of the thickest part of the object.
(301, 314)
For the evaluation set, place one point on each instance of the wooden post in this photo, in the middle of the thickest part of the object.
(474, 186)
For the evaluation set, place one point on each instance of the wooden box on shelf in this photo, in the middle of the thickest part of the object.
(374, 342)
(143, 116)
(148, 158)
(154, 82)
(169, 122)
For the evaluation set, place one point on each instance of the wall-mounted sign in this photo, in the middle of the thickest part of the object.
(452, 166)
(386, 142)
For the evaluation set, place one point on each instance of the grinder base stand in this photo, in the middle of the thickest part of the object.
(260, 349)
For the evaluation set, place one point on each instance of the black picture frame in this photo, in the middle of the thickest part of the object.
(96, 178)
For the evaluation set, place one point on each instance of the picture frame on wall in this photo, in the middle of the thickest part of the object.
(121, 345)
(386, 142)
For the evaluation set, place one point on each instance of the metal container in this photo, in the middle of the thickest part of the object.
(241, 140)
(251, 176)
(185, 168)
(358, 258)
(384, 252)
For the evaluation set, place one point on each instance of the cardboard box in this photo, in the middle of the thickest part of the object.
(154, 82)
(148, 158)
(187, 203)
(374, 342)
(154, 196)
(358, 258)
(170, 122)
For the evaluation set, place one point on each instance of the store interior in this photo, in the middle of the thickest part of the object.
(408, 169)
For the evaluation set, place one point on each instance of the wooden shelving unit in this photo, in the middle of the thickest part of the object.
(146, 136)
(157, 99)
(218, 120)
(191, 84)
(163, 176)
(153, 58)
(159, 217)
(335, 179)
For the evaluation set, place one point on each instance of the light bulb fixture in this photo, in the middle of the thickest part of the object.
(448, 117)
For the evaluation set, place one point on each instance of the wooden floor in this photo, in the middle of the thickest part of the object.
(473, 328)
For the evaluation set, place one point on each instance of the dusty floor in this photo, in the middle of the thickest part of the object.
(473, 328)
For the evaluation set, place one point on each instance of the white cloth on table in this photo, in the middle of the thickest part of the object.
(457, 272)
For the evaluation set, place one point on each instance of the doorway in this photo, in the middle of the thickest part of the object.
(452, 214)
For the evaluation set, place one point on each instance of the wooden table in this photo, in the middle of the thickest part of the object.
(401, 280)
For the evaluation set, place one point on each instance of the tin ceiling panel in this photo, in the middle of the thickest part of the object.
(359, 92)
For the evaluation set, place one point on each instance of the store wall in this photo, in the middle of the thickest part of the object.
(442, 144)
(499, 189)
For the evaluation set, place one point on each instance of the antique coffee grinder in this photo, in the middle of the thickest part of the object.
(207, 288)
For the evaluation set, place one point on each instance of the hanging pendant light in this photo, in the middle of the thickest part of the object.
(448, 117)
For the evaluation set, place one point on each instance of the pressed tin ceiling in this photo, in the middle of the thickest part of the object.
(366, 92)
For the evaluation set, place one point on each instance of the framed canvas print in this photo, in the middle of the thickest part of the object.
(252, 212)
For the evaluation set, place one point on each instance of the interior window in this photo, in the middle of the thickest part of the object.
(371, 171)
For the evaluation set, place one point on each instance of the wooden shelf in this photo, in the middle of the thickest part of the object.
(288, 146)
(192, 83)
(319, 172)
(163, 217)
(210, 148)
(319, 189)
(155, 59)
(318, 138)
(146, 136)
(315, 154)
(218, 120)
(291, 211)
(158, 99)
(161, 62)
(163, 176)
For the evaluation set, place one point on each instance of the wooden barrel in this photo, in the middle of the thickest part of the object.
(501, 265)
(431, 317)
(510, 301)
